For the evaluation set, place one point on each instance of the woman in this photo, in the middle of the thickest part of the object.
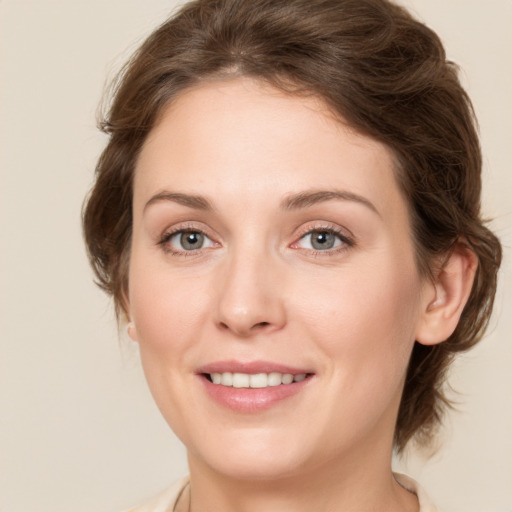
(287, 217)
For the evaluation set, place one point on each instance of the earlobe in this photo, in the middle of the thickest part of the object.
(132, 331)
(447, 296)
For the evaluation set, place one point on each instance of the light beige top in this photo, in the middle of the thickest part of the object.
(169, 500)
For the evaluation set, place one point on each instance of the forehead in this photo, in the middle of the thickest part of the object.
(229, 137)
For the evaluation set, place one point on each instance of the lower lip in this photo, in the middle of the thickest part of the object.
(251, 400)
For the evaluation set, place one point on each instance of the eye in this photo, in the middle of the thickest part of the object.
(323, 240)
(186, 241)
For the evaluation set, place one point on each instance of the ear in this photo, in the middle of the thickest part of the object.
(446, 296)
(124, 308)
(131, 330)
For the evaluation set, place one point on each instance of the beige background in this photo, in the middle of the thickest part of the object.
(78, 429)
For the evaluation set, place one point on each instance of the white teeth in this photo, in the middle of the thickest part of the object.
(240, 380)
(226, 379)
(256, 380)
(274, 379)
(287, 378)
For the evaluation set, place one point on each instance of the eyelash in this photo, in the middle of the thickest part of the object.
(346, 241)
(168, 235)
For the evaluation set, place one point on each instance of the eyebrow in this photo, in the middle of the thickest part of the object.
(313, 197)
(292, 202)
(191, 201)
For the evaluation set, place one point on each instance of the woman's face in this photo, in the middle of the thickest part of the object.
(272, 242)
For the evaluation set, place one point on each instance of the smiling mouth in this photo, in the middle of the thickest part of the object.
(253, 387)
(254, 380)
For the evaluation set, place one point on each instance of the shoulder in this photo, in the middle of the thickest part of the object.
(165, 501)
(411, 485)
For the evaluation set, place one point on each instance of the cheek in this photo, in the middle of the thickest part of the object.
(168, 309)
(168, 312)
(367, 318)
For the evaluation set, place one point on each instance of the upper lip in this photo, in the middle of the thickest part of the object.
(251, 367)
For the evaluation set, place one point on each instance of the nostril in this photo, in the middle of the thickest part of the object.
(244, 329)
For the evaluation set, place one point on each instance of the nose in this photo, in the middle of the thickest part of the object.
(250, 295)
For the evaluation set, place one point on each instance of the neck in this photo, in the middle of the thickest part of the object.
(349, 486)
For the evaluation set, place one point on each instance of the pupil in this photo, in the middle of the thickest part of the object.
(192, 241)
(322, 240)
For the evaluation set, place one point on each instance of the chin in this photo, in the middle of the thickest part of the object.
(253, 455)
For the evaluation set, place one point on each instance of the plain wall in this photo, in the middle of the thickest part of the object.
(78, 428)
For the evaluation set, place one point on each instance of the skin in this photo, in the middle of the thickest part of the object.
(256, 290)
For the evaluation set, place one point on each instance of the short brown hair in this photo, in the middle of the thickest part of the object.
(383, 72)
